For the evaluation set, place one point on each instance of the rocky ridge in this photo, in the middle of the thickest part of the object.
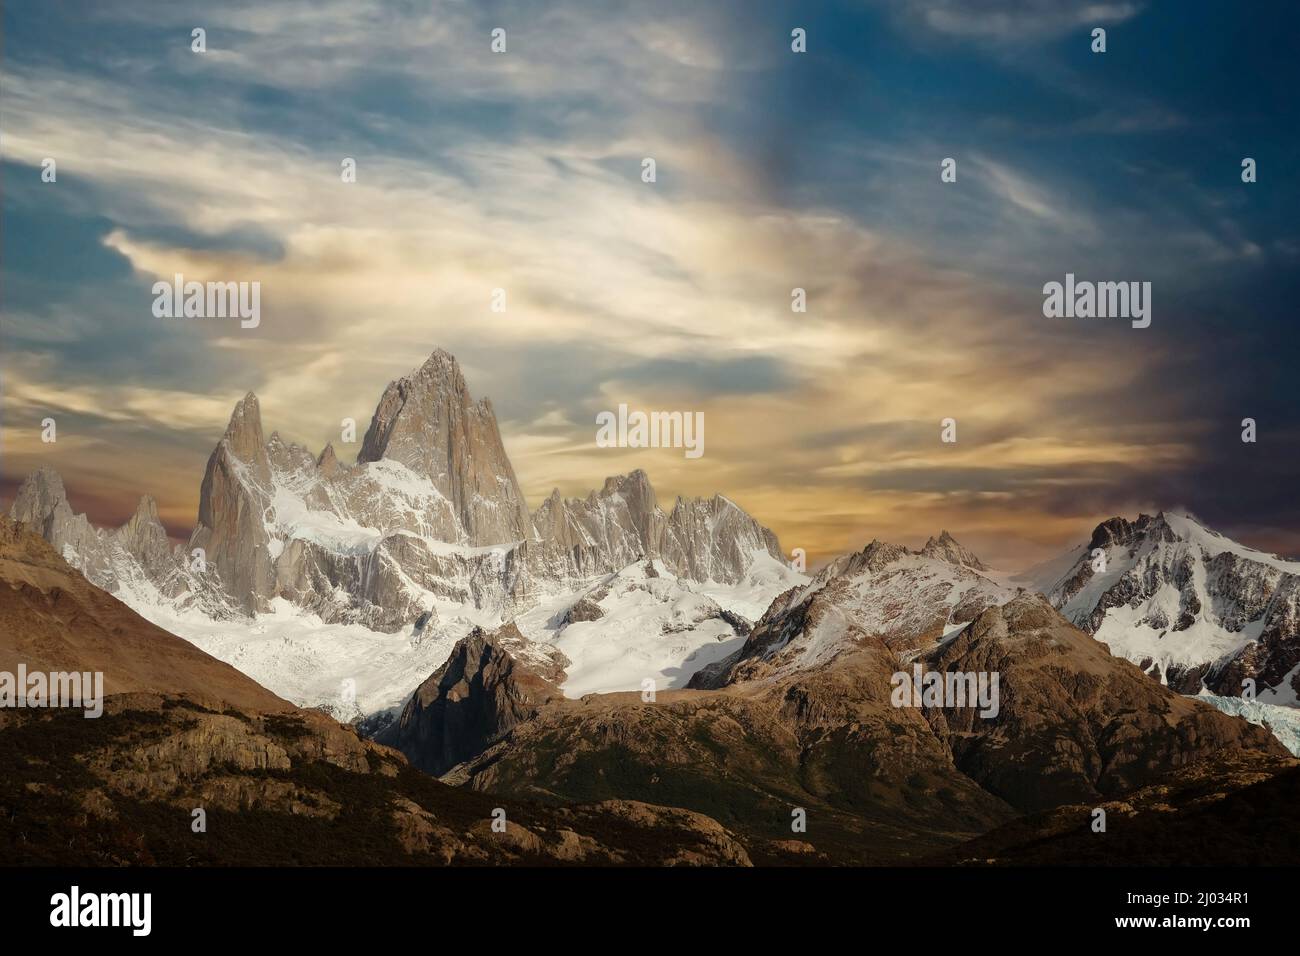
(430, 515)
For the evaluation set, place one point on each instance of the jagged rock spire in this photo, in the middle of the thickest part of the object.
(428, 422)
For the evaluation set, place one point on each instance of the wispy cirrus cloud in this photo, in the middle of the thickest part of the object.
(1012, 21)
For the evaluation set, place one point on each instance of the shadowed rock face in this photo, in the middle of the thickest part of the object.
(1074, 723)
(479, 694)
(289, 789)
(1234, 809)
(876, 784)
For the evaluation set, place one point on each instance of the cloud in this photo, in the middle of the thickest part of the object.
(442, 51)
(1024, 195)
(478, 172)
(1011, 21)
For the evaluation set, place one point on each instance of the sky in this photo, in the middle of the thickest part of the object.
(775, 170)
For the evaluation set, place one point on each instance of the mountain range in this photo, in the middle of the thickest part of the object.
(429, 514)
(427, 534)
(602, 652)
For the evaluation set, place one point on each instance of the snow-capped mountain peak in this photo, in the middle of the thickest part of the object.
(909, 600)
(1189, 605)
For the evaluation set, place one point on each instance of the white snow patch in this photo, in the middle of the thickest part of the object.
(304, 660)
(292, 518)
(662, 628)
